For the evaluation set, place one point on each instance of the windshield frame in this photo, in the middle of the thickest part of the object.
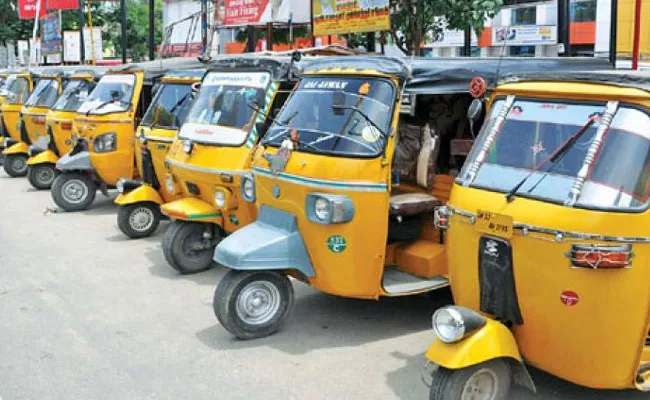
(155, 101)
(129, 108)
(9, 93)
(49, 80)
(71, 84)
(397, 96)
(523, 194)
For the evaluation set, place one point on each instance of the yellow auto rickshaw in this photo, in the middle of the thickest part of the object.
(139, 201)
(210, 158)
(105, 126)
(3, 81)
(547, 246)
(19, 86)
(58, 132)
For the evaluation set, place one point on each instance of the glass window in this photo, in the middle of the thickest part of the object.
(533, 130)
(17, 90)
(337, 115)
(522, 51)
(74, 94)
(44, 94)
(523, 16)
(113, 93)
(582, 10)
(170, 106)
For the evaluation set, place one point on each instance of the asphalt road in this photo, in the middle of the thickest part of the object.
(87, 314)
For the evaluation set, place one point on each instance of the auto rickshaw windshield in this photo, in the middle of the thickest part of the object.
(45, 94)
(113, 93)
(17, 90)
(170, 106)
(74, 94)
(533, 131)
(337, 115)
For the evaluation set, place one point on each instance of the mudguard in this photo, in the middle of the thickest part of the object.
(192, 209)
(77, 162)
(144, 193)
(18, 148)
(273, 242)
(45, 157)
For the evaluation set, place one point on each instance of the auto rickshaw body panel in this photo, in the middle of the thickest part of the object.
(18, 92)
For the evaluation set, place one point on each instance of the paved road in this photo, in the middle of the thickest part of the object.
(86, 314)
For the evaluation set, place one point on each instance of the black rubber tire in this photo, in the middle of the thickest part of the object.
(12, 169)
(124, 221)
(406, 231)
(175, 239)
(448, 384)
(59, 184)
(225, 303)
(34, 175)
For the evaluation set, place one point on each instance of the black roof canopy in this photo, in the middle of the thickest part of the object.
(621, 78)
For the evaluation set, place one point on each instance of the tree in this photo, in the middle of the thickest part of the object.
(12, 28)
(137, 28)
(412, 21)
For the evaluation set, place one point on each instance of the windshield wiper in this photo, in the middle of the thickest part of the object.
(102, 105)
(553, 158)
(364, 115)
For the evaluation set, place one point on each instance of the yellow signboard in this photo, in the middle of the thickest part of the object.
(625, 31)
(332, 17)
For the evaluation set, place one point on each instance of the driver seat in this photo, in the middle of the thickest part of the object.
(410, 204)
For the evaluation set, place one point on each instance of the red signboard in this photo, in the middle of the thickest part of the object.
(62, 4)
(244, 12)
(27, 9)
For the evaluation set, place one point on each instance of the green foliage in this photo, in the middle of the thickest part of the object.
(137, 28)
(12, 28)
(280, 35)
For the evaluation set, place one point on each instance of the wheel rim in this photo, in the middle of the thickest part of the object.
(482, 385)
(74, 191)
(19, 164)
(44, 175)
(141, 219)
(192, 244)
(258, 302)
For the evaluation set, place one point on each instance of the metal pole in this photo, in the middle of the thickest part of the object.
(269, 36)
(123, 12)
(311, 19)
(637, 35)
(250, 45)
(467, 43)
(204, 27)
(152, 49)
(563, 26)
(92, 34)
(613, 32)
(82, 44)
(370, 42)
(34, 30)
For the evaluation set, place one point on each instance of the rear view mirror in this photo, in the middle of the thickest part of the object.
(196, 86)
(338, 102)
(474, 114)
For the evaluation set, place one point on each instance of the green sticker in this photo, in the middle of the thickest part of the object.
(233, 219)
(336, 243)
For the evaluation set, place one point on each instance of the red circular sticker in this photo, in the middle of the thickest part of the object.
(477, 87)
(569, 298)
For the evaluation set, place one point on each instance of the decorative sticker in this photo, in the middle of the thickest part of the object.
(370, 134)
(243, 79)
(233, 219)
(336, 244)
(569, 298)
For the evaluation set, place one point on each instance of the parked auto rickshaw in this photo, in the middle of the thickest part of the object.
(139, 201)
(105, 126)
(19, 86)
(346, 187)
(58, 132)
(547, 241)
(210, 159)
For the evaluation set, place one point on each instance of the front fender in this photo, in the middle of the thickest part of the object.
(18, 148)
(192, 209)
(78, 162)
(46, 157)
(273, 242)
(144, 193)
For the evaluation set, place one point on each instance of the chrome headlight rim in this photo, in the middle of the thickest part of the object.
(188, 145)
(220, 198)
(327, 208)
(120, 185)
(170, 184)
(248, 188)
(100, 144)
(323, 209)
(467, 322)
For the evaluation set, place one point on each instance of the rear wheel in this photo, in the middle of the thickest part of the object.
(189, 246)
(138, 220)
(489, 380)
(73, 191)
(253, 304)
(15, 165)
(41, 176)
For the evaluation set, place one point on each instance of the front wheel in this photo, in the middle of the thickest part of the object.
(253, 304)
(15, 165)
(138, 220)
(189, 246)
(41, 176)
(489, 380)
(73, 191)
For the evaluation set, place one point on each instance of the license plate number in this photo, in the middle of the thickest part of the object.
(494, 224)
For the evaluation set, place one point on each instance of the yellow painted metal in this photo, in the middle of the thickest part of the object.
(492, 341)
(17, 148)
(10, 112)
(144, 193)
(45, 157)
(193, 209)
(34, 118)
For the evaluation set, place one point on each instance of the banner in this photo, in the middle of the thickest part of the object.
(261, 12)
(524, 35)
(62, 4)
(71, 45)
(27, 9)
(332, 17)
(50, 34)
(245, 12)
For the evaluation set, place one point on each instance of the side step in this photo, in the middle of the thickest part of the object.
(398, 283)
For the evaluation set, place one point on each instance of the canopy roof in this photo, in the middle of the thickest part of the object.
(622, 78)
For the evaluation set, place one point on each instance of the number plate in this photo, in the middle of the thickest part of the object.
(494, 224)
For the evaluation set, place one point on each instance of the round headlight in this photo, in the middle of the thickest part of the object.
(219, 198)
(120, 185)
(249, 188)
(171, 187)
(448, 325)
(322, 209)
(187, 146)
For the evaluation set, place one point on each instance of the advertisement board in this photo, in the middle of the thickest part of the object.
(261, 12)
(244, 12)
(50, 34)
(71, 45)
(27, 9)
(332, 17)
(524, 35)
(62, 4)
(451, 38)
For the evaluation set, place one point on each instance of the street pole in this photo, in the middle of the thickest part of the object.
(311, 19)
(34, 30)
(613, 32)
(637, 35)
(563, 21)
(82, 44)
(204, 28)
(123, 12)
(467, 43)
(370, 42)
(250, 44)
(152, 48)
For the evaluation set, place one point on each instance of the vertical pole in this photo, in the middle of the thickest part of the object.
(123, 16)
(61, 35)
(92, 34)
(382, 42)
(311, 19)
(467, 42)
(152, 48)
(370, 42)
(34, 30)
(613, 33)
(82, 44)
(250, 44)
(269, 36)
(563, 21)
(637, 35)
(204, 28)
